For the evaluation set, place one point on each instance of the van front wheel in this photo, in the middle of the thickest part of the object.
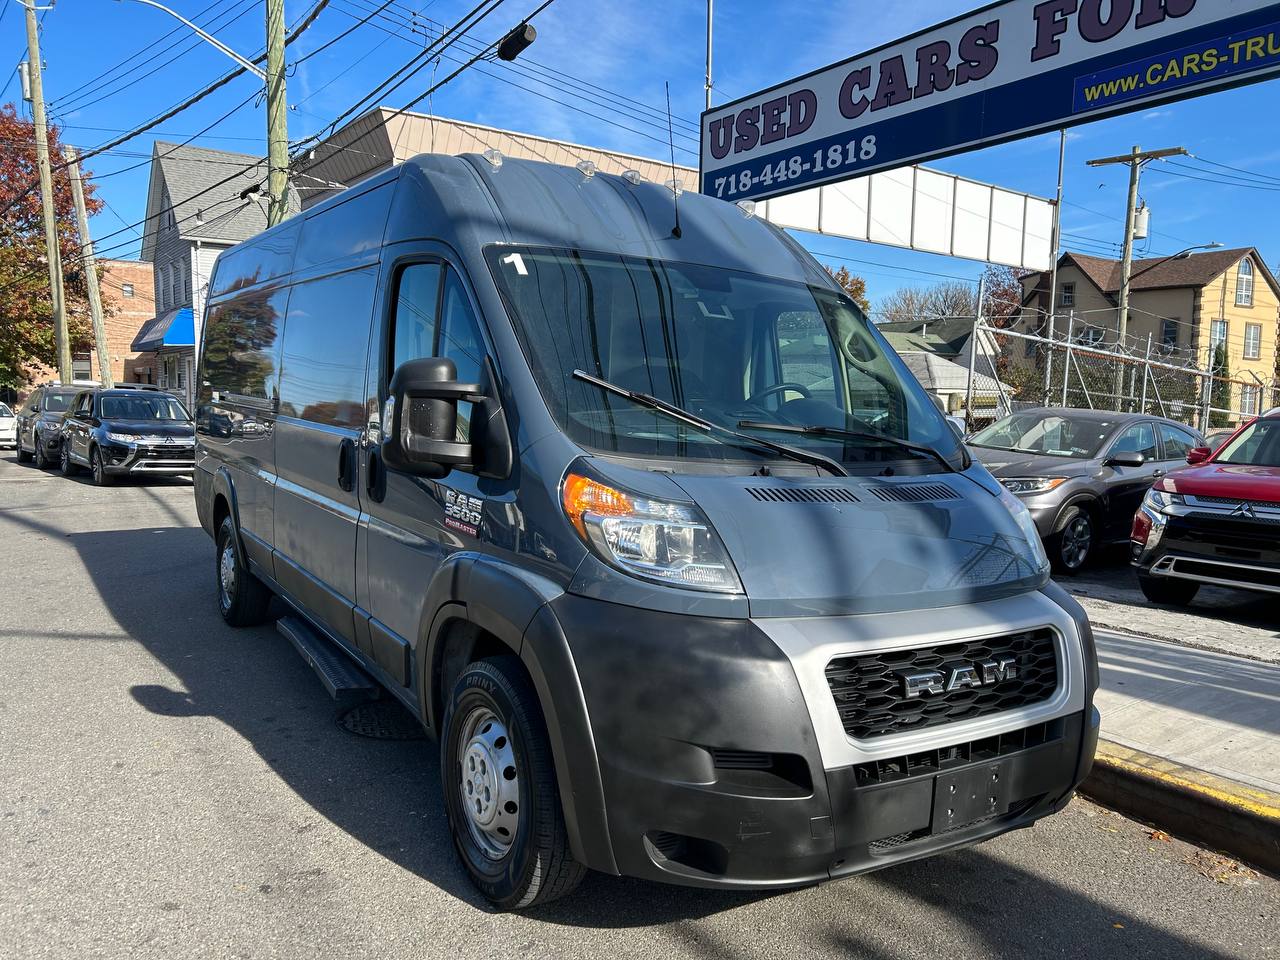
(242, 597)
(500, 788)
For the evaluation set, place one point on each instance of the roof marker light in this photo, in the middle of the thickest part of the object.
(633, 177)
(748, 208)
(675, 186)
(494, 157)
(586, 168)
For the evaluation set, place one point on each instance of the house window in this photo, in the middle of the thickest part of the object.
(182, 374)
(1252, 341)
(81, 366)
(1169, 333)
(1068, 295)
(1249, 397)
(164, 289)
(1244, 284)
(126, 289)
(1090, 336)
(1217, 334)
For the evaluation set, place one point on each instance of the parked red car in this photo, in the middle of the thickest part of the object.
(1215, 521)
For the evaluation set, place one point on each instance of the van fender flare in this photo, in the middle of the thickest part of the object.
(223, 485)
(512, 605)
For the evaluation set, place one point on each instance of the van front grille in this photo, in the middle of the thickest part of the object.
(870, 690)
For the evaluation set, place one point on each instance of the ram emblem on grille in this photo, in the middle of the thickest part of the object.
(953, 676)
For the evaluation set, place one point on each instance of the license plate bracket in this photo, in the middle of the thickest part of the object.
(969, 795)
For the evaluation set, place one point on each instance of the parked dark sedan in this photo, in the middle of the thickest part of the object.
(1081, 473)
(134, 432)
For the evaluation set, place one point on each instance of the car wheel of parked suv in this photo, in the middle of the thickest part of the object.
(42, 461)
(500, 788)
(242, 597)
(100, 476)
(68, 468)
(1070, 547)
(1168, 590)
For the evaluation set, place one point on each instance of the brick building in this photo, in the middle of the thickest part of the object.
(128, 301)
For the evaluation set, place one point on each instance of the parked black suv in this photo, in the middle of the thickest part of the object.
(40, 422)
(127, 430)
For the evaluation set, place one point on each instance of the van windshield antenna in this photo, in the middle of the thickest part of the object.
(675, 179)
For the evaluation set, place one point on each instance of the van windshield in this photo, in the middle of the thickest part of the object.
(729, 346)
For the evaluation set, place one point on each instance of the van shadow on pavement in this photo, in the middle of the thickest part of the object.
(158, 585)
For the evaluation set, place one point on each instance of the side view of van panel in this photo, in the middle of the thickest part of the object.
(639, 515)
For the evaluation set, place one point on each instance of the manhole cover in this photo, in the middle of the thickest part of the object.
(382, 720)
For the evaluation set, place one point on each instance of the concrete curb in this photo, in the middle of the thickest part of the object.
(1228, 816)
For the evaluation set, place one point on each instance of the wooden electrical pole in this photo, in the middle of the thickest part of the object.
(90, 270)
(277, 118)
(52, 251)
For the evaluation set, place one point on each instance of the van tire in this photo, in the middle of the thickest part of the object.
(1169, 591)
(242, 597)
(537, 866)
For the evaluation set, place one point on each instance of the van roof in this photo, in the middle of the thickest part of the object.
(469, 202)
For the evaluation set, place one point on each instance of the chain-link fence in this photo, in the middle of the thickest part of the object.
(1008, 371)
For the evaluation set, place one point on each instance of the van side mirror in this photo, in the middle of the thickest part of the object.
(1126, 458)
(420, 435)
(1198, 455)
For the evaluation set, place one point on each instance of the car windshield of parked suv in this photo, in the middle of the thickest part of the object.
(1052, 434)
(1257, 445)
(729, 346)
(150, 407)
(56, 402)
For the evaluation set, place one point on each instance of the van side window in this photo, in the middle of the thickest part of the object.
(459, 332)
(326, 337)
(241, 344)
(414, 323)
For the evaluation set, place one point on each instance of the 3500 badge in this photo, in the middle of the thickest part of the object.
(462, 512)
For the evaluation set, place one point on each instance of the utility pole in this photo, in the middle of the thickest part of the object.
(90, 269)
(1136, 160)
(277, 118)
(52, 251)
(1053, 270)
(710, 4)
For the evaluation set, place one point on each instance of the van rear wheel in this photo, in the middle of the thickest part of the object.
(500, 788)
(242, 597)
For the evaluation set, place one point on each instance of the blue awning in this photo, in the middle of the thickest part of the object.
(175, 328)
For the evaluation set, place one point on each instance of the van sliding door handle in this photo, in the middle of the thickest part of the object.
(347, 465)
(374, 476)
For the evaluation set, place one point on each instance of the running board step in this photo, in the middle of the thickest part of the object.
(343, 679)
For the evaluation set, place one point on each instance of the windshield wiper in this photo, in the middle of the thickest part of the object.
(818, 430)
(708, 426)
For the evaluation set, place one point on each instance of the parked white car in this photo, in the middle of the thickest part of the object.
(8, 427)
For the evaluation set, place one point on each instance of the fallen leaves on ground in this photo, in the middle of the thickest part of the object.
(1220, 869)
(1159, 835)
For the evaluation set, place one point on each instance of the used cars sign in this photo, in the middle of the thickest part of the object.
(1009, 70)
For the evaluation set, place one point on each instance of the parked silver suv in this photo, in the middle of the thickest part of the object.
(1081, 473)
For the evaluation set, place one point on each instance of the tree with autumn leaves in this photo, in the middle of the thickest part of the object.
(26, 308)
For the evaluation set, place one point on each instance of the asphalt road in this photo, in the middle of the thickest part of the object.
(173, 788)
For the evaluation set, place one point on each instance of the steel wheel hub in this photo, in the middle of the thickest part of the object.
(488, 782)
(227, 573)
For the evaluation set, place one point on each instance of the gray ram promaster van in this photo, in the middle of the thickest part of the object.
(618, 492)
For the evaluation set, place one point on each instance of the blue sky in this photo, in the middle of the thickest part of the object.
(627, 50)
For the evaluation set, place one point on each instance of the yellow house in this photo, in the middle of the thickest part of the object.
(1184, 306)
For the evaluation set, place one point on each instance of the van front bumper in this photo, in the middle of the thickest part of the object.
(715, 770)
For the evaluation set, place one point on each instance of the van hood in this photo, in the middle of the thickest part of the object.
(845, 545)
(1237, 480)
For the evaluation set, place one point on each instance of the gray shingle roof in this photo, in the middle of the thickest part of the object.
(193, 178)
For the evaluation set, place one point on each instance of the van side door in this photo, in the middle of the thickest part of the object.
(412, 524)
(321, 415)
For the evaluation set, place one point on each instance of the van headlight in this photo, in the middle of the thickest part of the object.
(655, 539)
(1022, 517)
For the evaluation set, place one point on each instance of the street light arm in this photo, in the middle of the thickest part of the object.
(247, 64)
(1177, 256)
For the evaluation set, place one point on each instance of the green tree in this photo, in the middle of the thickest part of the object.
(1220, 393)
(26, 309)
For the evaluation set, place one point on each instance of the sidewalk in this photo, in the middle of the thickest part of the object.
(1191, 742)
